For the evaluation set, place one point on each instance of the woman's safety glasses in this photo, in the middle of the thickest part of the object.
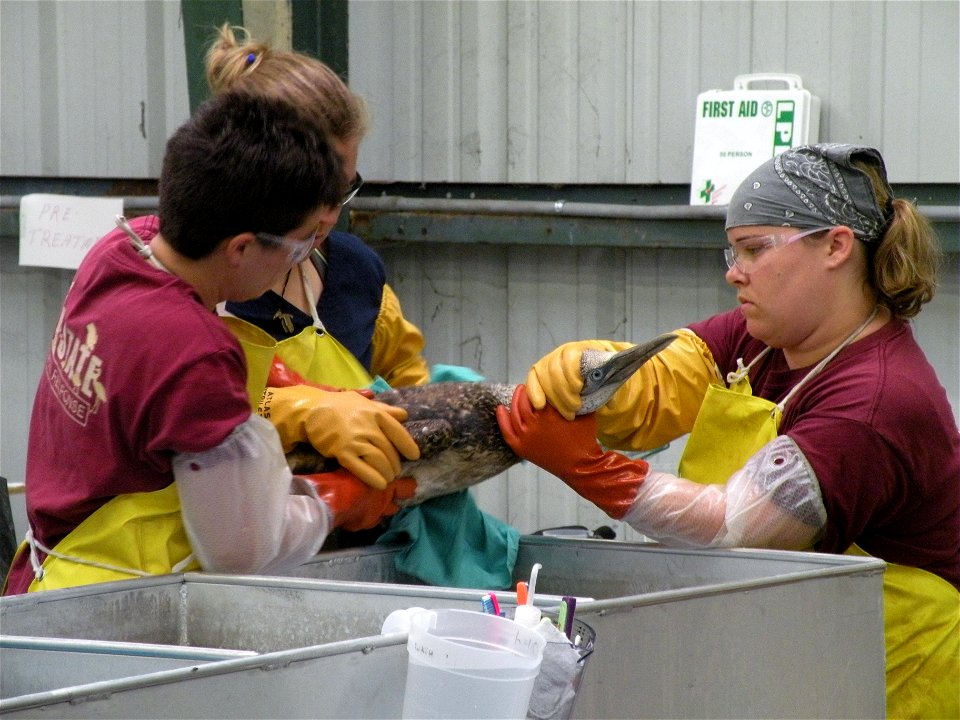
(744, 253)
(299, 249)
(352, 190)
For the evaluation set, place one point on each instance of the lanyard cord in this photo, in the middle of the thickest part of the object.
(143, 250)
(744, 371)
(823, 363)
(38, 571)
(308, 292)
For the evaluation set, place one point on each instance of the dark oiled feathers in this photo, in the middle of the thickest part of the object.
(454, 425)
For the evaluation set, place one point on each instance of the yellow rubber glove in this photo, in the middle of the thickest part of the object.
(556, 377)
(365, 436)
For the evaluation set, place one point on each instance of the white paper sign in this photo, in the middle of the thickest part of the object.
(58, 230)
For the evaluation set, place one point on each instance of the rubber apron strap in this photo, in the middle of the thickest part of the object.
(132, 535)
(313, 353)
(733, 424)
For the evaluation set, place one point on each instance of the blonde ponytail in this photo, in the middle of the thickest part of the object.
(903, 266)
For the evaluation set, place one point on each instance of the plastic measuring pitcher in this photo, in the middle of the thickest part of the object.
(466, 664)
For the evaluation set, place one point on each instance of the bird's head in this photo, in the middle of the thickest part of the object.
(604, 372)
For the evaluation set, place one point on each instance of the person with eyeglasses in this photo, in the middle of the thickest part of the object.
(334, 319)
(137, 463)
(815, 421)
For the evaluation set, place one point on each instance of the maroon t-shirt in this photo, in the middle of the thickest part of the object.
(878, 431)
(138, 370)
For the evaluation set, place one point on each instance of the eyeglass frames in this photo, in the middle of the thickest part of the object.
(743, 254)
(352, 190)
(299, 249)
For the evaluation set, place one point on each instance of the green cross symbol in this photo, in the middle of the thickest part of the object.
(708, 188)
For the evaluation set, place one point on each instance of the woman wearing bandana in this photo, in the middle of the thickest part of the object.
(815, 420)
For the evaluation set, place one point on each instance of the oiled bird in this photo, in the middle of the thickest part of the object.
(455, 423)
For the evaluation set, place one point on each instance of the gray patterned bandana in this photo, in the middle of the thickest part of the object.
(812, 186)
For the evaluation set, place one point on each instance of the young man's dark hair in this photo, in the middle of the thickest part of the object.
(243, 163)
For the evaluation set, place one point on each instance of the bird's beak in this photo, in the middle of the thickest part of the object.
(626, 362)
(604, 372)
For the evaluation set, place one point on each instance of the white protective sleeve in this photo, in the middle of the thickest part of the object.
(772, 502)
(243, 510)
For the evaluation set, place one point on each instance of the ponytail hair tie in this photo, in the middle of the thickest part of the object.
(251, 58)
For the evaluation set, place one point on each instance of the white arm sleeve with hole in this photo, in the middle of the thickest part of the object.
(242, 509)
(772, 502)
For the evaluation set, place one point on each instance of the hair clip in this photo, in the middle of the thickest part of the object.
(251, 58)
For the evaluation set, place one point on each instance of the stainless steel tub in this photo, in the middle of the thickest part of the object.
(703, 633)
(680, 633)
(294, 648)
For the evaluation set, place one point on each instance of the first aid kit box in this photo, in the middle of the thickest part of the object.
(737, 130)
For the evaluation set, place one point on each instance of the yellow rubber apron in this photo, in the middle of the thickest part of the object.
(731, 426)
(921, 610)
(921, 625)
(313, 353)
(131, 536)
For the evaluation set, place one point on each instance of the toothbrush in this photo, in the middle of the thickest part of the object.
(486, 602)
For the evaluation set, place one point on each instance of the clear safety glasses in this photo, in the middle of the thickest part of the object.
(299, 249)
(352, 190)
(744, 253)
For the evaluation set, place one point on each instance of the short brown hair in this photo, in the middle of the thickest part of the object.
(243, 163)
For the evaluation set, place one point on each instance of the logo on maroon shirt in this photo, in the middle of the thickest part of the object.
(74, 372)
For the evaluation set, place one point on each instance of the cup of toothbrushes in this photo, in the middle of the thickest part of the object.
(466, 664)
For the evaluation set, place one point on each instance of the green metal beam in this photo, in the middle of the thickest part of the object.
(401, 227)
(201, 18)
(320, 30)
(383, 227)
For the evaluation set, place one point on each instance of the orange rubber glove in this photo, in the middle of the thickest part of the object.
(569, 450)
(356, 506)
(365, 436)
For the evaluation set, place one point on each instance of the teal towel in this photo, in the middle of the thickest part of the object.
(454, 373)
(379, 385)
(448, 540)
(452, 543)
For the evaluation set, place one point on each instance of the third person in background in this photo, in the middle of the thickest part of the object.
(332, 320)
(334, 317)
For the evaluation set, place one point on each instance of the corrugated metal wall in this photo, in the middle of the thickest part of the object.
(90, 88)
(565, 91)
(604, 91)
(516, 91)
